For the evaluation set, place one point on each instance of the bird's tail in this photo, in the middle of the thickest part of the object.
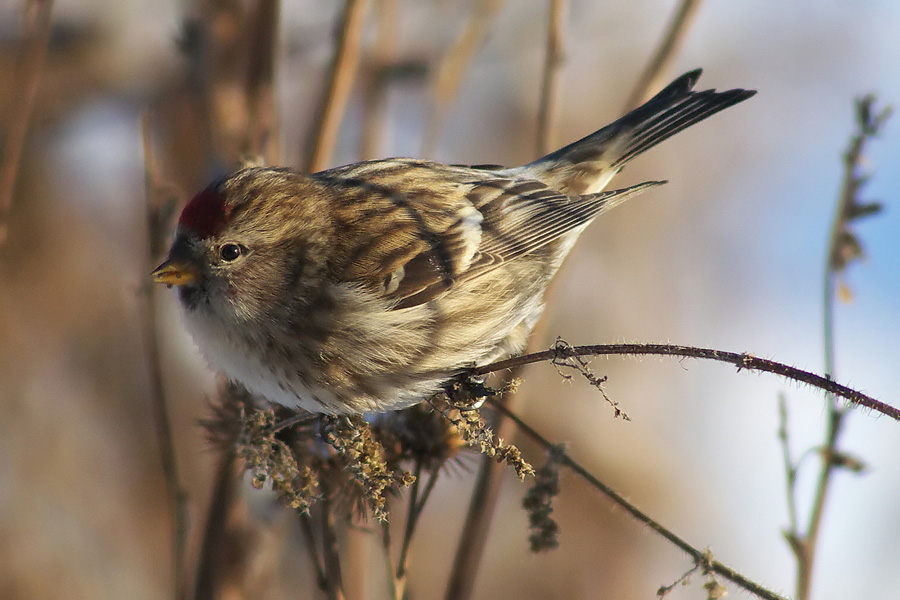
(586, 166)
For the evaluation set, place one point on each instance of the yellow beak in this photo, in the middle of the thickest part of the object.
(175, 271)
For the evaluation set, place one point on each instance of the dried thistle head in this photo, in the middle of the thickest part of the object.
(354, 463)
(362, 455)
(419, 434)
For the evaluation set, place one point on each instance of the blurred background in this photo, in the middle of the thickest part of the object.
(730, 255)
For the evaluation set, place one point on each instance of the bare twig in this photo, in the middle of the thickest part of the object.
(340, 82)
(650, 79)
(450, 71)
(553, 60)
(741, 361)
(34, 50)
(698, 555)
(262, 116)
(157, 210)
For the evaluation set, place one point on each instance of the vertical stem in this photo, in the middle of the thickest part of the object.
(158, 403)
(848, 209)
(334, 102)
(450, 71)
(306, 527)
(375, 93)
(209, 565)
(473, 538)
(260, 84)
(331, 550)
(36, 38)
(411, 518)
(553, 60)
(805, 550)
(665, 53)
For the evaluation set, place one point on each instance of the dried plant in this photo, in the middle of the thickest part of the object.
(844, 248)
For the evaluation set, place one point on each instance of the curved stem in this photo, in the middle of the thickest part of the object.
(740, 360)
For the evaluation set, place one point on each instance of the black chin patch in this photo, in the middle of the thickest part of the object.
(191, 296)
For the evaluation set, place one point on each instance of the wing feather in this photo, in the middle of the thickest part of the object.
(449, 223)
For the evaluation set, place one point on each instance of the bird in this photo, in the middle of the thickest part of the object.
(369, 287)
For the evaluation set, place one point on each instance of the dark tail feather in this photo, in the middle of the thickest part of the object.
(675, 108)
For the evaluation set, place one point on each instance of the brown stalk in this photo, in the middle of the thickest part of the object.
(740, 360)
(262, 124)
(210, 573)
(34, 51)
(700, 556)
(452, 68)
(155, 215)
(375, 93)
(553, 61)
(331, 550)
(651, 78)
(306, 528)
(326, 125)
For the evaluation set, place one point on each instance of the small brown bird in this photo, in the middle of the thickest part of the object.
(369, 286)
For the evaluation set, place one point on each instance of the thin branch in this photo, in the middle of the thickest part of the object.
(650, 79)
(156, 215)
(741, 361)
(452, 68)
(262, 116)
(327, 122)
(698, 555)
(553, 61)
(34, 51)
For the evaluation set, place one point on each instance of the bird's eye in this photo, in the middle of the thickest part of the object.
(230, 252)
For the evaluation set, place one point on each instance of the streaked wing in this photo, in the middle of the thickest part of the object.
(527, 215)
(450, 223)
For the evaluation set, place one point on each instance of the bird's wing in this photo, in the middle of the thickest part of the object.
(416, 228)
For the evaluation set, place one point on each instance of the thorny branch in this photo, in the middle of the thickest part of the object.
(740, 360)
